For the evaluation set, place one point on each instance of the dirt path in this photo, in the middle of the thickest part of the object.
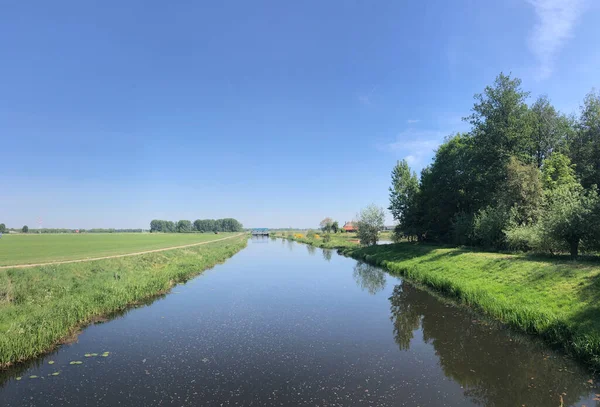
(117, 255)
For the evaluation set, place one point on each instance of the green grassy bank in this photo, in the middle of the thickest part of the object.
(555, 298)
(41, 306)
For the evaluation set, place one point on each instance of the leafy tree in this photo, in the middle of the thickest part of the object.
(501, 129)
(558, 171)
(2, 228)
(25, 229)
(157, 225)
(403, 194)
(184, 226)
(448, 186)
(522, 191)
(370, 222)
(335, 226)
(585, 148)
(572, 218)
(170, 227)
(325, 225)
(549, 130)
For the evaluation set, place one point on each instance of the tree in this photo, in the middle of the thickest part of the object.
(403, 193)
(370, 222)
(549, 130)
(157, 226)
(25, 229)
(335, 226)
(501, 129)
(2, 228)
(585, 148)
(572, 219)
(325, 225)
(449, 186)
(169, 226)
(522, 191)
(184, 226)
(558, 171)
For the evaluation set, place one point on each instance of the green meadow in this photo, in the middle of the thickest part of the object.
(41, 306)
(45, 248)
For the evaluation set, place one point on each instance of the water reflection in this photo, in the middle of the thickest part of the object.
(327, 253)
(311, 249)
(495, 367)
(369, 278)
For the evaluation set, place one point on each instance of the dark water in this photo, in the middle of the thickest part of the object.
(287, 324)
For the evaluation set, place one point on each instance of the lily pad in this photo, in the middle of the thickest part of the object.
(75, 362)
(17, 378)
(55, 373)
(33, 376)
(50, 362)
(105, 354)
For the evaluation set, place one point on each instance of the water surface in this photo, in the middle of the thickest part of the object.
(282, 323)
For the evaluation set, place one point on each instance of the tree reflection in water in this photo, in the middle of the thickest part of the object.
(327, 253)
(311, 249)
(484, 358)
(369, 277)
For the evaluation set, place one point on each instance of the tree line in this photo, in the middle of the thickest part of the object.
(25, 229)
(199, 225)
(523, 178)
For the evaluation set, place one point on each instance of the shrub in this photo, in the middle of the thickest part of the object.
(327, 238)
(524, 238)
(310, 234)
(489, 225)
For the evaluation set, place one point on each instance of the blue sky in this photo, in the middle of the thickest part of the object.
(277, 113)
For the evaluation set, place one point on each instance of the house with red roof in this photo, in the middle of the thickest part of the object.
(350, 227)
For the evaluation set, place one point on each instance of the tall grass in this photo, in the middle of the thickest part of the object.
(40, 306)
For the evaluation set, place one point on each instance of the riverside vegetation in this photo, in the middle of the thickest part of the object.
(41, 306)
(555, 298)
(521, 184)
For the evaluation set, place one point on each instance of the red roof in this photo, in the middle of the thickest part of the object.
(348, 226)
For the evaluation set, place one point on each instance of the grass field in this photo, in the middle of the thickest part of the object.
(45, 248)
(555, 298)
(41, 305)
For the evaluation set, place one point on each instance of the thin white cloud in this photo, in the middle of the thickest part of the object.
(413, 121)
(417, 147)
(556, 20)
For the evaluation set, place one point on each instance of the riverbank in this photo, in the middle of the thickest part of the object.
(41, 307)
(554, 298)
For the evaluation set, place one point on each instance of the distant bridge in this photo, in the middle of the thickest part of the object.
(260, 232)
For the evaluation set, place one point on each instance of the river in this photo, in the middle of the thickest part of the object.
(283, 324)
